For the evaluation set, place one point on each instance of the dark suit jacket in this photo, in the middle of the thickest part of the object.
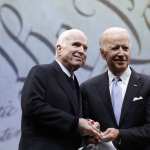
(134, 123)
(50, 110)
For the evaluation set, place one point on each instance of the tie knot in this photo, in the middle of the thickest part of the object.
(116, 79)
(71, 77)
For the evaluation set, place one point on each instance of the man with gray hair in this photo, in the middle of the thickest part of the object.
(51, 102)
(119, 99)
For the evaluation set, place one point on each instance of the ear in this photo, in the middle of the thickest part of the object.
(58, 47)
(103, 53)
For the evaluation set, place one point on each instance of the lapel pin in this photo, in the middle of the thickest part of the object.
(135, 85)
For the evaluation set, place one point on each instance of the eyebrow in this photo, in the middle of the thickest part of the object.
(122, 45)
(79, 44)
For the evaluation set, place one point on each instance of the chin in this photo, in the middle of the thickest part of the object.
(121, 70)
(78, 63)
(77, 66)
(121, 66)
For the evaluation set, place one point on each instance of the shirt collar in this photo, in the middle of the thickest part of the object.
(64, 69)
(124, 77)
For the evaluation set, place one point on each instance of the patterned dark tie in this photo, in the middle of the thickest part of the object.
(72, 82)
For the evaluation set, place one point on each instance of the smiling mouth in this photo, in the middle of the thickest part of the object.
(118, 60)
(78, 57)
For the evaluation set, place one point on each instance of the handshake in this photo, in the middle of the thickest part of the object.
(91, 129)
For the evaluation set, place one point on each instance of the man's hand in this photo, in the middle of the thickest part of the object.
(110, 134)
(94, 124)
(88, 127)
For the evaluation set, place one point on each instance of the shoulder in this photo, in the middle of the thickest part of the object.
(144, 76)
(141, 76)
(42, 68)
(95, 81)
(40, 71)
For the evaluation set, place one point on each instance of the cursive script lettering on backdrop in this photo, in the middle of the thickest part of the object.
(111, 5)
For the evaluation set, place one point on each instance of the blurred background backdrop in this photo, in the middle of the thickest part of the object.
(28, 32)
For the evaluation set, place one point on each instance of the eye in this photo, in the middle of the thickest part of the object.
(117, 47)
(125, 48)
(85, 47)
(114, 48)
(78, 44)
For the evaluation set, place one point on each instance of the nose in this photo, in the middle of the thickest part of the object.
(82, 49)
(121, 50)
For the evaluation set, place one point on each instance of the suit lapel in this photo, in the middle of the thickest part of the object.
(79, 100)
(64, 84)
(105, 95)
(133, 87)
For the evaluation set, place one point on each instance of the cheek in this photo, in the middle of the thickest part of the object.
(84, 60)
(84, 56)
(67, 54)
(129, 57)
(109, 58)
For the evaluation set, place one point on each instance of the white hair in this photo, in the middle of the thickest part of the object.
(66, 35)
(109, 32)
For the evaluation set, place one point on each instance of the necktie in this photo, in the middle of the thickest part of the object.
(75, 90)
(117, 99)
(72, 82)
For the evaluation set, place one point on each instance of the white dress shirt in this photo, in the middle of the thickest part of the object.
(125, 79)
(64, 69)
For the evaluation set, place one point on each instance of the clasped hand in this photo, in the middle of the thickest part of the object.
(91, 129)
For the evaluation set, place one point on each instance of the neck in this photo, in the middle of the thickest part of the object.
(118, 73)
(68, 67)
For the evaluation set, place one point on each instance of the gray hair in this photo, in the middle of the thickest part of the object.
(109, 32)
(66, 35)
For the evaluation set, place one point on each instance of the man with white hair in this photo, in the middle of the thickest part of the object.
(51, 102)
(119, 99)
